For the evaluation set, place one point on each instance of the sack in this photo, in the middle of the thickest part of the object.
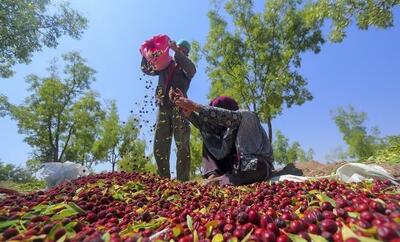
(357, 172)
(350, 172)
(55, 173)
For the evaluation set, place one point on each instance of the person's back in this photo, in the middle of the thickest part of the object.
(252, 140)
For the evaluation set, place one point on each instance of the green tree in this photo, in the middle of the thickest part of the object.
(361, 144)
(337, 154)
(280, 146)
(292, 152)
(389, 152)
(46, 117)
(132, 149)
(10, 172)
(88, 114)
(119, 144)
(110, 136)
(26, 26)
(364, 13)
(310, 155)
(285, 153)
(257, 59)
(196, 152)
(295, 153)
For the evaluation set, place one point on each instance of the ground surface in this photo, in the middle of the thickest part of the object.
(318, 169)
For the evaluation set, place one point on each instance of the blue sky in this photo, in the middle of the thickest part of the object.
(362, 71)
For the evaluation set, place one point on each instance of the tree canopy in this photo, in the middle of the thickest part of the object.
(27, 26)
(257, 58)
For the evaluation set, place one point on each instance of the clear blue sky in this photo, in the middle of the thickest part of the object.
(362, 71)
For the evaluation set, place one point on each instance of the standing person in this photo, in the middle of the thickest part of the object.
(237, 149)
(177, 74)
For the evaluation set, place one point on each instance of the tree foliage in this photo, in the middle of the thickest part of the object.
(196, 152)
(390, 152)
(285, 153)
(119, 143)
(361, 143)
(26, 26)
(88, 114)
(49, 117)
(257, 59)
(10, 172)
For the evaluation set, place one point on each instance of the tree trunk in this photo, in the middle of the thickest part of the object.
(113, 166)
(55, 152)
(269, 123)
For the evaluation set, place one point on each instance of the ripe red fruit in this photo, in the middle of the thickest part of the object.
(340, 212)
(362, 207)
(337, 237)
(327, 235)
(366, 215)
(264, 220)
(304, 235)
(273, 228)
(326, 206)
(229, 228)
(248, 227)
(227, 236)
(59, 233)
(329, 225)
(282, 238)
(253, 216)
(268, 236)
(239, 233)
(10, 232)
(258, 232)
(386, 233)
(287, 216)
(187, 238)
(296, 226)
(314, 229)
(91, 217)
(364, 224)
(271, 213)
(352, 240)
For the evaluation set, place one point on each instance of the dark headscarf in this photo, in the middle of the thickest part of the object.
(225, 102)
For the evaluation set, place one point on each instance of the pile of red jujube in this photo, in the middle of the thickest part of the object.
(143, 207)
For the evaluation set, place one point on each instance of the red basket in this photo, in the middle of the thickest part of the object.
(156, 51)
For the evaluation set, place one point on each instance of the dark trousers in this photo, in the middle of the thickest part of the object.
(170, 123)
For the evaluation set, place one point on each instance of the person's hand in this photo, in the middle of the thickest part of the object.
(186, 113)
(212, 181)
(172, 95)
(158, 98)
(185, 104)
(173, 46)
(175, 94)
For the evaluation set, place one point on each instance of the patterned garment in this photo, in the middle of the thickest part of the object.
(242, 128)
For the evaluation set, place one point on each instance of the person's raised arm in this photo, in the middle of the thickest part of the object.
(187, 65)
(213, 115)
(181, 58)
